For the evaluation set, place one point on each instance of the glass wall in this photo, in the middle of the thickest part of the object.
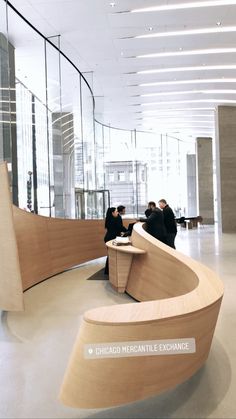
(62, 162)
(31, 116)
(8, 102)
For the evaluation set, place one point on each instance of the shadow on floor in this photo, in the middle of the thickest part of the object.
(98, 276)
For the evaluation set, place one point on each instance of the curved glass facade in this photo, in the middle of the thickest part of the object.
(62, 162)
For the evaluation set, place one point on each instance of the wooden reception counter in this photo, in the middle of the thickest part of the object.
(179, 304)
(120, 260)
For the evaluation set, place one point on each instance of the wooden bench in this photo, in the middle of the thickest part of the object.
(190, 222)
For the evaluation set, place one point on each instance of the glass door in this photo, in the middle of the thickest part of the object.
(91, 204)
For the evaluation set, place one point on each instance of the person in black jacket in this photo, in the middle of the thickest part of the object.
(114, 228)
(155, 223)
(121, 211)
(112, 224)
(170, 222)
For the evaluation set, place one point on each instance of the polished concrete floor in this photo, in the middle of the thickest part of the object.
(35, 345)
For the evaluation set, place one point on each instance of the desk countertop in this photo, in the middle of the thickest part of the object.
(127, 248)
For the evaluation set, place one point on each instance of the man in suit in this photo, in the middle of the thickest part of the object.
(155, 223)
(121, 211)
(169, 221)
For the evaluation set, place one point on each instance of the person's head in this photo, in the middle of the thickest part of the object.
(151, 205)
(148, 212)
(121, 209)
(111, 212)
(162, 203)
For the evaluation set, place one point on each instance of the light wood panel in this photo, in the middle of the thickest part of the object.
(120, 260)
(50, 245)
(10, 276)
(164, 273)
(185, 299)
(33, 248)
(119, 267)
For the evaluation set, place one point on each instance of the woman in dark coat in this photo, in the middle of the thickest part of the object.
(114, 228)
(112, 224)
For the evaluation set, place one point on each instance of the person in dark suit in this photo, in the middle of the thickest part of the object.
(148, 212)
(169, 221)
(114, 228)
(121, 211)
(155, 223)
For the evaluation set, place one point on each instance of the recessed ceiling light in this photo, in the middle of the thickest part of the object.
(218, 23)
(150, 28)
(112, 4)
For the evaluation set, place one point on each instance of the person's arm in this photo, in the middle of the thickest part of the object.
(143, 219)
(149, 219)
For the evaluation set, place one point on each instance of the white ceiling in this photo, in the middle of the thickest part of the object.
(100, 39)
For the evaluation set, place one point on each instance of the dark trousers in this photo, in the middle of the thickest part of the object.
(106, 270)
(171, 239)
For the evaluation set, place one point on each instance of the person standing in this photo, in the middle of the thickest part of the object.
(113, 227)
(148, 211)
(155, 223)
(169, 221)
(121, 211)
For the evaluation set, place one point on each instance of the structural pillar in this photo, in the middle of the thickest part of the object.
(226, 167)
(205, 179)
(63, 164)
(191, 185)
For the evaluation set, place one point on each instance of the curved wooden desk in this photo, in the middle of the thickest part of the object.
(184, 299)
(33, 247)
(120, 260)
(180, 300)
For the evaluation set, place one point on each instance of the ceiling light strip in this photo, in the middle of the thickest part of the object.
(189, 52)
(189, 5)
(183, 92)
(200, 31)
(193, 81)
(161, 126)
(173, 116)
(178, 110)
(222, 101)
(196, 68)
